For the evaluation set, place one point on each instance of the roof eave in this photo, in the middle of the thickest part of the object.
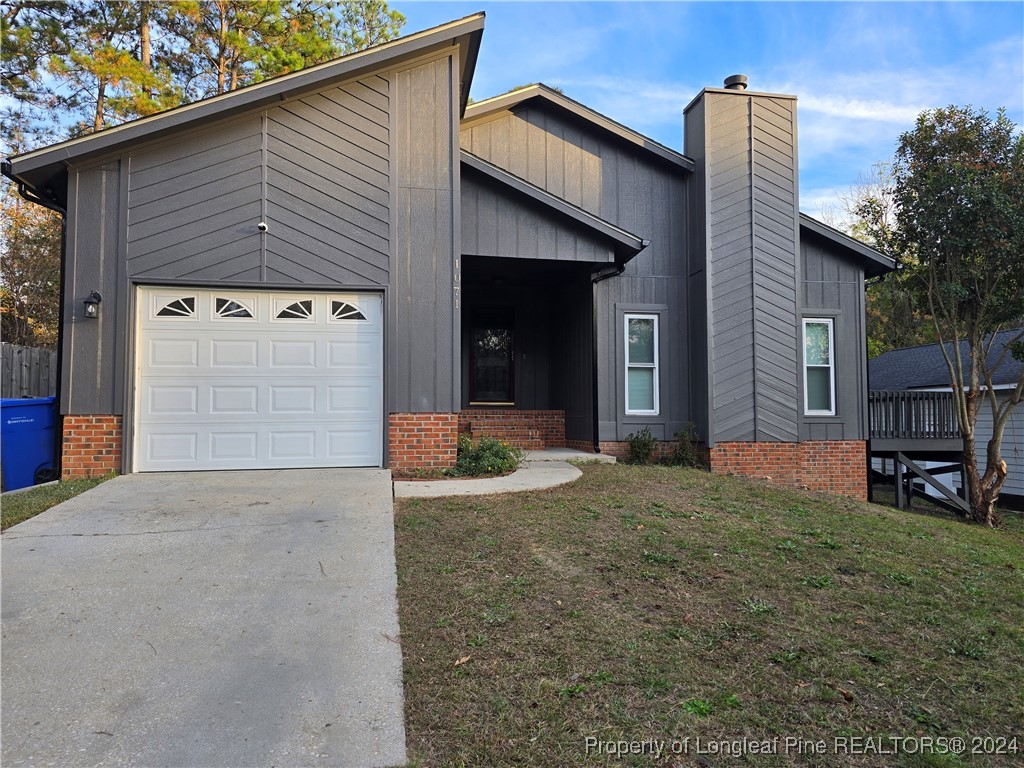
(626, 245)
(465, 32)
(507, 101)
(875, 263)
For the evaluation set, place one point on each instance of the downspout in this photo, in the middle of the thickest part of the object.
(32, 197)
(597, 277)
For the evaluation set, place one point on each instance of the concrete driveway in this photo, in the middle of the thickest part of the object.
(205, 619)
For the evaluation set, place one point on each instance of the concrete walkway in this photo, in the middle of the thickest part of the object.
(541, 469)
(206, 619)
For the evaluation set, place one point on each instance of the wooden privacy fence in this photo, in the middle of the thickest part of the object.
(27, 372)
(912, 415)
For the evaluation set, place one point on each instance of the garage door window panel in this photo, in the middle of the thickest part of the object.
(294, 310)
(342, 310)
(233, 309)
(184, 306)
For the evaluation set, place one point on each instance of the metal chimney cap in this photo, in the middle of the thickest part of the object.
(736, 82)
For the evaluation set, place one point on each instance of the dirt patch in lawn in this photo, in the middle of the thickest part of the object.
(658, 603)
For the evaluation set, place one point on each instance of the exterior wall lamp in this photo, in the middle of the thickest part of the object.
(92, 306)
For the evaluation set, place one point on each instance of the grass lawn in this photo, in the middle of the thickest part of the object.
(659, 603)
(18, 507)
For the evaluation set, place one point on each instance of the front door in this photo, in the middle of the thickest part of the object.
(492, 358)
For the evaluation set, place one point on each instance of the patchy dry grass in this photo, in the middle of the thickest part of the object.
(18, 507)
(657, 602)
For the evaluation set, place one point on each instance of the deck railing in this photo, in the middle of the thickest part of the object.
(910, 415)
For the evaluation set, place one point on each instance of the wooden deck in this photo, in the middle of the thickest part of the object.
(913, 422)
(908, 425)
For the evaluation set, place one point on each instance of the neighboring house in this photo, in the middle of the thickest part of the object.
(347, 265)
(923, 369)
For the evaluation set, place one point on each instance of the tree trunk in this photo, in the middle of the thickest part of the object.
(144, 48)
(983, 489)
(222, 44)
(101, 93)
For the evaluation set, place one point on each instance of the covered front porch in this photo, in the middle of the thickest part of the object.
(528, 352)
(528, 267)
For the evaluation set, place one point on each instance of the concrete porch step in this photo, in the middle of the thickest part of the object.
(567, 454)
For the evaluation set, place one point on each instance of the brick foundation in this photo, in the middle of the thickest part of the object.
(529, 430)
(838, 467)
(422, 440)
(620, 449)
(91, 446)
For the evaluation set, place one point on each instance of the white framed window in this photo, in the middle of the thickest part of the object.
(641, 333)
(819, 367)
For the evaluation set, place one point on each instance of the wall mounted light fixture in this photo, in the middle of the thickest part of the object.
(92, 306)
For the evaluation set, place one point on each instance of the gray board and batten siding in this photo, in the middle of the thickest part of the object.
(832, 287)
(424, 320)
(349, 181)
(497, 222)
(574, 158)
(746, 228)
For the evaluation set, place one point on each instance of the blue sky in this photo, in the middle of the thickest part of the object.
(862, 71)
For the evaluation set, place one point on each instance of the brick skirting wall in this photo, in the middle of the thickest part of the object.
(620, 449)
(422, 440)
(529, 430)
(90, 446)
(838, 467)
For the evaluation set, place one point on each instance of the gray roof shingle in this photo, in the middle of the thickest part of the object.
(925, 366)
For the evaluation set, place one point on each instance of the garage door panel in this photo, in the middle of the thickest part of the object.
(288, 353)
(231, 353)
(358, 354)
(172, 447)
(293, 444)
(173, 401)
(173, 353)
(341, 443)
(292, 399)
(241, 400)
(233, 446)
(353, 399)
(218, 389)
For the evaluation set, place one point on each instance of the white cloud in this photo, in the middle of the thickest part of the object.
(853, 108)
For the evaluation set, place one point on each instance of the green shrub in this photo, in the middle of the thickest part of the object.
(641, 446)
(685, 452)
(488, 457)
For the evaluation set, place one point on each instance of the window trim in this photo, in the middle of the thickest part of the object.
(655, 366)
(830, 322)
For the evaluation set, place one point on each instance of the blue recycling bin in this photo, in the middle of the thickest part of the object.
(26, 440)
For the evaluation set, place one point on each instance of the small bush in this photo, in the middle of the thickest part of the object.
(488, 457)
(685, 452)
(641, 446)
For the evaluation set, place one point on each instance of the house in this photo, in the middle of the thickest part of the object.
(923, 369)
(346, 265)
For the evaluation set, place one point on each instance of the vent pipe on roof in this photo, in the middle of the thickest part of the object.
(736, 83)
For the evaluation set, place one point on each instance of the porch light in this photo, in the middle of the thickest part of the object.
(92, 306)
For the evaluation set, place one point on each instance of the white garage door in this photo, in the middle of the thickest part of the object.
(252, 380)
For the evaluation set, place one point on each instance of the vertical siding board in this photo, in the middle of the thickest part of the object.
(833, 287)
(93, 243)
(425, 324)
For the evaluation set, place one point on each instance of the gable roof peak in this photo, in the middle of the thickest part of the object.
(549, 95)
